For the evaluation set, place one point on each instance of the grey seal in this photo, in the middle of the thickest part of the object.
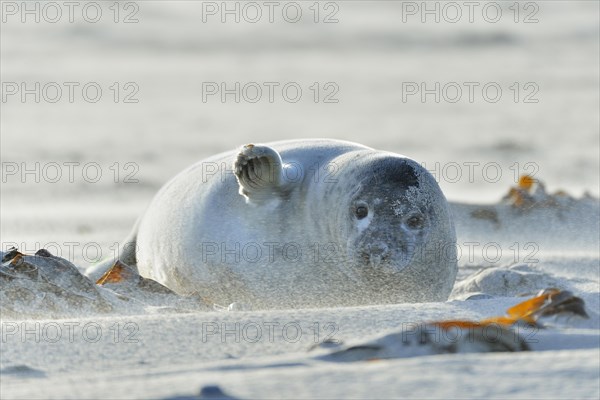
(300, 223)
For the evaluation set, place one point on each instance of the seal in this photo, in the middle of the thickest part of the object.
(299, 223)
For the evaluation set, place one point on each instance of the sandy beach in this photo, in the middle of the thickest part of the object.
(99, 112)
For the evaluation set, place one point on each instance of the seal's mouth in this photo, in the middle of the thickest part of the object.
(381, 259)
(372, 263)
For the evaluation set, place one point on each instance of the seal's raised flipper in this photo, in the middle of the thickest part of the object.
(261, 174)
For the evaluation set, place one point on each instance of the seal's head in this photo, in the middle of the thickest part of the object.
(393, 216)
(388, 219)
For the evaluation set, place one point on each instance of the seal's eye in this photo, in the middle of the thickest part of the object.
(361, 212)
(415, 222)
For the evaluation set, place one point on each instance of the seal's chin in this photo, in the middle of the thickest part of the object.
(392, 269)
(389, 267)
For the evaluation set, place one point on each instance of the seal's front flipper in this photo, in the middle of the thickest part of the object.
(261, 174)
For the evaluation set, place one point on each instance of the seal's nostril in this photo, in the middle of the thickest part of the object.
(380, 250)
(375, 255)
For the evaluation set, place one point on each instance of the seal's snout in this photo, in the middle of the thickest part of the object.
(390, 256)
(376, 255)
